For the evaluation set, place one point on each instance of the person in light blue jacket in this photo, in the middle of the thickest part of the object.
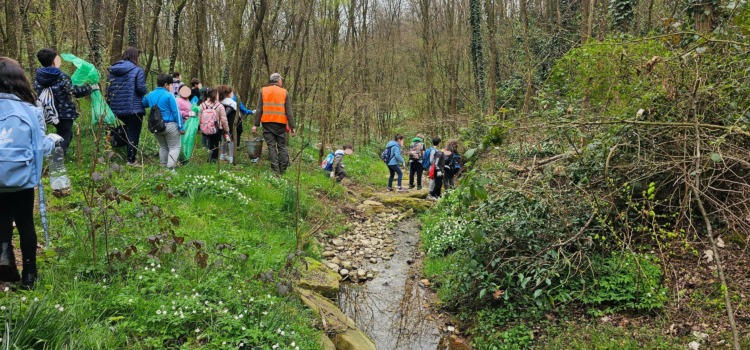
(22, 144)
(169, 139)
(395, 161)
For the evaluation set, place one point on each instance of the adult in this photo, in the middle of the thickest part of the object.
(126, 87)
(21, 123)
(395, 161)
(275, 112)
(196, 91)
(169, 138)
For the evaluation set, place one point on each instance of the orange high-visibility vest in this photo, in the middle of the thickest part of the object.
(274, 98)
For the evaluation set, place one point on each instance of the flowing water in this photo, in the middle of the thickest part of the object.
(393, 308)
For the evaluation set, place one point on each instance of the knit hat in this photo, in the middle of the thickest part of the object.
(275, 77)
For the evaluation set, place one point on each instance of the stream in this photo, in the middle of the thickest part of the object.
(393, 308)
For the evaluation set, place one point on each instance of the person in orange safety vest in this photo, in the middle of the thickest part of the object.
(274, 111)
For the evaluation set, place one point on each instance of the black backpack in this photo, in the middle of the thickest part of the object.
(155, 120)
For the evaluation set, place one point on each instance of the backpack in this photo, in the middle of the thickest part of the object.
(47, 101)
(415, 151)
(437, 163)
(209, 120)
(327, 164)
(456, 161)
(386, 155)
(426, 158)
(155, 120)
(20, 150)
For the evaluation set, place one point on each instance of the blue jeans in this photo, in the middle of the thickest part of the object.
(394, 169)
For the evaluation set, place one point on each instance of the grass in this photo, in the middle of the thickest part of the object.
(605, 337)
(239, 222)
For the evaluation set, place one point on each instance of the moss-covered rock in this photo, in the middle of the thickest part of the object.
(326, 343)
(370, 207)
(353, 339)
(406, 203)
(319, 278)
(334, 320)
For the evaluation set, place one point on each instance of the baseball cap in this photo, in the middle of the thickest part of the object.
(276, 77)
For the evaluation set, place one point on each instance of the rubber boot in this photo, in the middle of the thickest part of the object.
(29, 274)
(8, 268)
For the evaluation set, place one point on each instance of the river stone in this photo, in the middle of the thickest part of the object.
(336, 260)
(354, 339)
(334, 267)
(319, 278)
(370, 207)
(337, 242)
(343, 272)
(370, 276)
(328, 254)
(347, 265)
(361, 273)
(373, 261)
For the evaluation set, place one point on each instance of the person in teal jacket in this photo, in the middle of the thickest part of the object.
(395, 161)
(169, 139)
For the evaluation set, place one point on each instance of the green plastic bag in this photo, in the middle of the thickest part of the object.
(86, 73)
(187, 141)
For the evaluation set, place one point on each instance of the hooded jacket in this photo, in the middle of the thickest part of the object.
(62, 90)
(396, 158)
(127, 86)
(338, 161)
(167, 104)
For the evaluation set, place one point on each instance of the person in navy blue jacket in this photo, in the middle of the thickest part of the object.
(169, 139)
(126, 86)
(50, 76)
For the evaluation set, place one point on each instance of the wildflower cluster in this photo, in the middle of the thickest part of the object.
(224, 185)
(445, 235)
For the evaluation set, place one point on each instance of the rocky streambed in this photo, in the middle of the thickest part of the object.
(379, 300)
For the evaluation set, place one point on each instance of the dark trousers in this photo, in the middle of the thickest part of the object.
(133, 127)
(214, 142)
(415, 168)
(436, 192)
(339, 173)
(277, 152)
(19, 207)
(394, 169)
(449, 179)
(65, 129)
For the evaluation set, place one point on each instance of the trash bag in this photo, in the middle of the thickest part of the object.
(86, 73)
(187, 141)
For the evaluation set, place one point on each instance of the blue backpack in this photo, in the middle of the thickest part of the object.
(454, 162)
(426, 158)
(327, 164)
(20, 148)
(386, 155)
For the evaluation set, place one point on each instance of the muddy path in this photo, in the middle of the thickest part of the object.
(380, 260)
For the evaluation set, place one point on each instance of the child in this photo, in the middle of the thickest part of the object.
(438, 164)
(186, 110)
(395, 161)
(427, 163)
(196, 91)
(50, 76)
(452, 164)
(416, 152)
(18, 107)
(169, 139)
(211, 108)
(176, 83)
(338, 163)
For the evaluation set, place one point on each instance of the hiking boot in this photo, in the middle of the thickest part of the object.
(419, 188)
(134, 165)
(411, 187)
(8, 268)
(29, 280)
(389, 189)
(401, 189)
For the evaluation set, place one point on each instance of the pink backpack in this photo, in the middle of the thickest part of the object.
(209, 119)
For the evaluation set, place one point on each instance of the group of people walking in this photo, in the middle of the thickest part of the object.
(441, 164)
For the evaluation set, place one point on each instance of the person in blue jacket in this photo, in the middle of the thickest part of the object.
(395, 161)
(126, 86)
(18, 105)
(243, 113)
(169, 139)
(50, 76)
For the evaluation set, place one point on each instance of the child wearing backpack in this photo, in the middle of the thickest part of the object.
(428, 159)
(21, 136)
(392, 157)
(416, 153)
(167, 136)
(55, 89)
(337, 163)
(214, 124)
(452, 164)
(437, 171)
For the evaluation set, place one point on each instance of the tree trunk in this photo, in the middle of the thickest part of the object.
(121, 12)
(150, 43)
(95, 52)
(246, 75)
(53, 8)
(200, 28)
(12, 48)
(525, 25)
(176, 34)
(424, 9)
(132, 25)
(28, 38)
(477, 52)
(490, 4)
